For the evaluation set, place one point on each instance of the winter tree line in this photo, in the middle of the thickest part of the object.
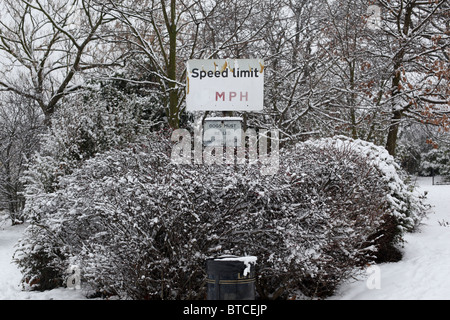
(90, 91)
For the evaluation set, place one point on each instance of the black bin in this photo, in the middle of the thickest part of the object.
(231, 278)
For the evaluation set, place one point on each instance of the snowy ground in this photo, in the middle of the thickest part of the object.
(424, 272)
(10, 276)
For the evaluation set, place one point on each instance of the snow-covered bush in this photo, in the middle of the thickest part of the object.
(84, 125)
(80, 128)
(141, 227)
(406, 203)
(357, 204)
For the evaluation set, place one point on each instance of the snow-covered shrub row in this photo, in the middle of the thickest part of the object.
(142, 227)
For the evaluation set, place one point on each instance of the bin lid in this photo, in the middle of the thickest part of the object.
(247, 260)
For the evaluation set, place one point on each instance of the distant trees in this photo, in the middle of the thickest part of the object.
(295, 69)
(327, 72)
(376, 78)
(415, 44)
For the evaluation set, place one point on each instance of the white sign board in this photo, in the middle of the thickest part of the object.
(225, 85)
(222, 132)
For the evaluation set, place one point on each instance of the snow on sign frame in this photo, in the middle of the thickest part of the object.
(225, 85)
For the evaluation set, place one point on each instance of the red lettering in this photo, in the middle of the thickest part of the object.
(220, 95)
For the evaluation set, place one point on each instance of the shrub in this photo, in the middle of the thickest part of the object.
(436, 162)
(142, 227)
(81, 127)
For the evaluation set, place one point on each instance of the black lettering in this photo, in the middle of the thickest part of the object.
(194, 73)
(210, 73)
(245, 73)
(202, 74)
(225, 73)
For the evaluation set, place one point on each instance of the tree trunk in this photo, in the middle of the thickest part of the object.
(391, 143)
(173, 112)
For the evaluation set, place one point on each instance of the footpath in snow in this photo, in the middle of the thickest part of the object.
(423, 273)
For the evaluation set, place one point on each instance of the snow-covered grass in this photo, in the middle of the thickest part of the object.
(423, 273)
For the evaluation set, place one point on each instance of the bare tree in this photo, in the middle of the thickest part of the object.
(415, 45)
(151, 28)
(46, 47)
(296, 67)
(166, 33)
